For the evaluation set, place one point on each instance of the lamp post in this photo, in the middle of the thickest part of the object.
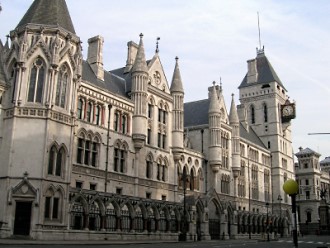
(267, 226)
(291, 187)
(279, 198)
(184, 179)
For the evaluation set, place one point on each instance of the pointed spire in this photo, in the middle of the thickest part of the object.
(176, 85)
(140, 64)
(157, 45)
(49, 13)
(233, 116)
(214, 100)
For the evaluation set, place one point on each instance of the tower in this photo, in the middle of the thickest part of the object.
(263, 97)
(43, 68)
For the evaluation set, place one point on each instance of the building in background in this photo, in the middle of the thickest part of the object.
(92, 153)
(313, 203)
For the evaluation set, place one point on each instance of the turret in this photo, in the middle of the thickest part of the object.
(234, 122)
(177, 94)
(215, 130)
(139, 96)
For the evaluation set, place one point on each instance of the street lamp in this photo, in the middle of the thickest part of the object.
(291, 187)
(267, 227)
(184, 179)
(279, 198)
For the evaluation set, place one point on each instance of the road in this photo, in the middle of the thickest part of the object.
(305, 242)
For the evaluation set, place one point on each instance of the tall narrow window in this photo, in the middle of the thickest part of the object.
(123, 123)
(149, 167)
(36, 83)
(61, 88)
(59, 161)
(116, 121)
(265, 113)
(252, 115)
(80, 109)
(150, 111)
(149, 136)
(89, 112)
(119, 160)
(52, 156)
(98, 115)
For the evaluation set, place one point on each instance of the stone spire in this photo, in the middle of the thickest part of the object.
(234, 122)
(233, 116)
(214, 100)
(52, 13)
(176, 85)
(140, 64)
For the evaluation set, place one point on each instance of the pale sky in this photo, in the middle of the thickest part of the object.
(214, 39)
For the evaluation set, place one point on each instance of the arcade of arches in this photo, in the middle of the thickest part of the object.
(208, 218)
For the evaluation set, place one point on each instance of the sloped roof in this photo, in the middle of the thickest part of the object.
(307, 151)
(325, 161)
(196, 113)
(250, 136)
(266, 73)
(111, 82)
(48, 12)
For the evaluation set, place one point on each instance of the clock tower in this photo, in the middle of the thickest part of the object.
(268, 111)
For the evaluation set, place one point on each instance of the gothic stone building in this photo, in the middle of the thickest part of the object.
(88, 153)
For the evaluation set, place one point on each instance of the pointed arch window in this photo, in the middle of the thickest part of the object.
(61, 87)
(252, 114)
(53, 201)
(192, 179)
(265, 113)
(56, 161)
(149, 167)
(36, 82)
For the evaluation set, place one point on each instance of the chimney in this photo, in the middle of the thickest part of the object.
(95, 56)
(252, 74)
(132, 49)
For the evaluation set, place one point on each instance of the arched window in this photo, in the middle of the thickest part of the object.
(61, 87)
(252, 114)
(265, 113)
(192, 179)
(56, 161)
(36, 83)
(53, 201)
(149, 167)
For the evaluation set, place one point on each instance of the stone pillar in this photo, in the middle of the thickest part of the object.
(205, 234)
(224, 225)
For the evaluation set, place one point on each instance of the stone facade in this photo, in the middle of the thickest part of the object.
(88, 153)
(313, 177)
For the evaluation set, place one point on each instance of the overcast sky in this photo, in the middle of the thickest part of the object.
(214, 39)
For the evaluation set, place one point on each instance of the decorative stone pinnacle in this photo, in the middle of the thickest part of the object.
(141, 35)
(176, 58)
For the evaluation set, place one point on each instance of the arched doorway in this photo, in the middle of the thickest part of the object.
(214, 220)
